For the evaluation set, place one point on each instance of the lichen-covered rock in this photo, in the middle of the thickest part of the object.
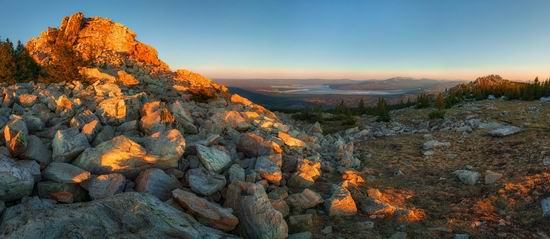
(68, 144)
(118, 110)
(304, 200)
(127, 215)
(118, 155)
(257, 217)
(15, 182)
(156, 182)
(206, 212)
(104, 186)
(167, 147)
(253, 145)
(65, 173)
(205, 182)
(212, 158)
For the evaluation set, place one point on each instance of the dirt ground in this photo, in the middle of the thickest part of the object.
(442, 205)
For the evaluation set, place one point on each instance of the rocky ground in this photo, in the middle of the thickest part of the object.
(135, 150)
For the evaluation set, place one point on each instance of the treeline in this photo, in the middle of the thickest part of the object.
(17, 65)
(496, 86)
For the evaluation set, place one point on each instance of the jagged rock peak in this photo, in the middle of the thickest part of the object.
(99, 41)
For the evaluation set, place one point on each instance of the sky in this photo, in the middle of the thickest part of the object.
(353, 39)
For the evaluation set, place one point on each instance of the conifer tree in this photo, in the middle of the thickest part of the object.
(27, 68)
(8, 67)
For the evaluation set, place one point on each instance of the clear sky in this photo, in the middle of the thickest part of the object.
(321, 38)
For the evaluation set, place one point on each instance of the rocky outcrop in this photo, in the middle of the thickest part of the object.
(128, 215)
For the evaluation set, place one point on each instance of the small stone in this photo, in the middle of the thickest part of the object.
(505, 131)
(491, 177)
(306, 174)
(327, 230)
(467, 176)
(236, 173)
(546, 161)
(266, 167)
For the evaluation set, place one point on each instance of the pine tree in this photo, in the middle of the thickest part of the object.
(27, 68)
(382, 110)
(8, 67)
(361, 107)
(440, 101)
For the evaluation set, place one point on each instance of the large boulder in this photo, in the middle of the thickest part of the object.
(253, 145)
(128, 215)
(156, 182)
(118, 155)
(167, 147)
(15, 182)
(68, 144)
(212, 158)
(65, 173)
(206, 212)
(205, 182)
(257, 217)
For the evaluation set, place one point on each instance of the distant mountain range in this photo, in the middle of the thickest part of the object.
(301, 93)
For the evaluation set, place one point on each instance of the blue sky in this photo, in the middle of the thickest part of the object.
(322, 39)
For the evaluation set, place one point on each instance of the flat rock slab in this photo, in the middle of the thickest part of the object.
(128, 215)
(505, 131)
(65, 173)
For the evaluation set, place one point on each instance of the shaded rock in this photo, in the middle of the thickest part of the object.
(545, 205)
(45, 189)
(491, 177)
(127, 215)
(32, 166)
(300, 235)
(300, 223)
(183, 117)
(205, 182)
(65, 173)
(467, 176)
(257, 217)
(167, 147)
(106, 133)
(281, 206)
(236, 173)
(34, 124)
(120, 155)
(63, 197)
(212, 158)
(208, 213)
(156, 182)
(15, 182)
(304, 200)
(340, 203)
(253, 145)
(306, 174)
(68, 144)
(104, 186)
